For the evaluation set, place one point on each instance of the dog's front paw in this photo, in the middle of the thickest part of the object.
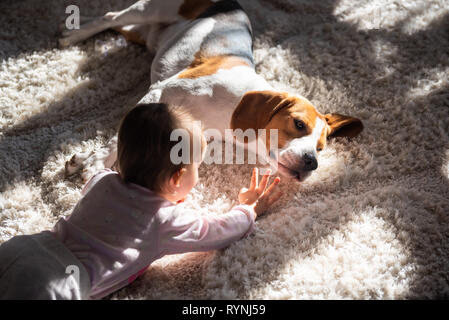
(98, 160)
(72, 166)
(76, 162)
(87, 173)
(93, 161)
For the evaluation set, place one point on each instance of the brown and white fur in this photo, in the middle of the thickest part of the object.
(204, 62)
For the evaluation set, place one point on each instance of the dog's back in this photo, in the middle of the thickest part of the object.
(222, 31)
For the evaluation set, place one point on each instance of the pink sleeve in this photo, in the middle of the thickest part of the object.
(94, 179)
(183, 232)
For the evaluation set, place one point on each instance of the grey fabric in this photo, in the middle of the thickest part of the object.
(40, 267)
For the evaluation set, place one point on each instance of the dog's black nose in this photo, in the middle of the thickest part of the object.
(310, 162)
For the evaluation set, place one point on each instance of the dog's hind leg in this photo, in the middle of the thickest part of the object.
(83, 20)
(89, 29)
(141, 12)
(147, 34)
(136, 33)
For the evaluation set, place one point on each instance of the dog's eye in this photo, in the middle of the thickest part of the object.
(319, 149)
(300, 125)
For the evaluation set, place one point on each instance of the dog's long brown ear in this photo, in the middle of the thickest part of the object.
(256, 109)
(343, 126)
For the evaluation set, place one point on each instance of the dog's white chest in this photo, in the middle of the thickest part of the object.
(210, 99)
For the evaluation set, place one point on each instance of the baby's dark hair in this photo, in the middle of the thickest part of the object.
(144, 146)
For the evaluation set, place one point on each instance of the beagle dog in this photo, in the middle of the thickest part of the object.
(203, 60)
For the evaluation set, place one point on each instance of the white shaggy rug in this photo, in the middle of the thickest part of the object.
(371, 223)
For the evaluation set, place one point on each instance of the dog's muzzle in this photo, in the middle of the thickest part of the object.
(294, 165)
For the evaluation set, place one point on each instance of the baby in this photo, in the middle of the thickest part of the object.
(128, 218)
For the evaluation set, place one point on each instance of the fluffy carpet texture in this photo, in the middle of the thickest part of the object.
(371, 223)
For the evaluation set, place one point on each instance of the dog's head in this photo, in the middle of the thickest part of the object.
(302, 130)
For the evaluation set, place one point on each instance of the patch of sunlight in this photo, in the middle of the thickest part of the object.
(32, 81)
(445, 167)
(432, 79)
(363, 259)
(411, 16)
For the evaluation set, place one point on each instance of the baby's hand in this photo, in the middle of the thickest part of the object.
(258, 195)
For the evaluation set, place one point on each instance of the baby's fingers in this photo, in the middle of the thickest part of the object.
(264, 182)
(254, 179)
(272, 186)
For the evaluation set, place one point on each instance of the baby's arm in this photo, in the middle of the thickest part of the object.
(183, 232)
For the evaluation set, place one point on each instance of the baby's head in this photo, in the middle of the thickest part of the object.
(145, 149)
